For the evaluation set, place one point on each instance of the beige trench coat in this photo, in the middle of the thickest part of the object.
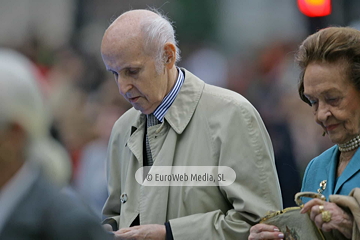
(205, 126)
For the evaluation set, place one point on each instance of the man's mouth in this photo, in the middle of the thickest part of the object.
(134, 99)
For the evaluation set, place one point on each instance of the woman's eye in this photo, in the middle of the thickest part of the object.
(313, 102)
(332, 100)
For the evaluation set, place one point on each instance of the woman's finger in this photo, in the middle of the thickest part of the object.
(265, 231)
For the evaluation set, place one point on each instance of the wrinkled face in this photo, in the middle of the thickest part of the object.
(335, 100)
(135, 73)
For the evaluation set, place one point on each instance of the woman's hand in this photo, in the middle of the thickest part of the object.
(328, 216)
(264, 231)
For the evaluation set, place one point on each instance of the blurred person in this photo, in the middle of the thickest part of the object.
(31, 207)
(196, 124)
(90, 182)
(330, 84)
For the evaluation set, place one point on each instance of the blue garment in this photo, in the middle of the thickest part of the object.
(324, 167)
(164, 106)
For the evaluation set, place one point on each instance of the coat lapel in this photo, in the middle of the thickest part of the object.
(154, 198)
(330, 173)
(352, 168)
(183, 108)
(135, 141)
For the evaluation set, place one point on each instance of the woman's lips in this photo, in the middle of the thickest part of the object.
(331, 127)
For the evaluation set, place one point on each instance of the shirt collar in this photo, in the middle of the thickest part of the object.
(166, 103)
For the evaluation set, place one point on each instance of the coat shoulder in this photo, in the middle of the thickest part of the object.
(224, 95)
(221, 99)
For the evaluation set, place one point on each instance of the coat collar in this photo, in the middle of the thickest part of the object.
(352, 168)
(333, 184)
(184, 106)
(331, 170)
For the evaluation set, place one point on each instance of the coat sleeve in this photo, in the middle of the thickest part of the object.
(111, 209)
(243, 144)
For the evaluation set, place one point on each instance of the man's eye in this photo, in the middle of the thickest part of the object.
(132, 71)
(115, 74)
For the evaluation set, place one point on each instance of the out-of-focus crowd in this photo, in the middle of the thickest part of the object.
(85, 103)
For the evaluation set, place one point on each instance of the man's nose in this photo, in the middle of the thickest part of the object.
(124, 85)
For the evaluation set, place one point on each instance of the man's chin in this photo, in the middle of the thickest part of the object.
(143, 111)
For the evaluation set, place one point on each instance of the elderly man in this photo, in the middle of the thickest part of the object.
(30, 206)
(178, 120)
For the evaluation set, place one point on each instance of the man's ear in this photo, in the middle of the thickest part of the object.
(169, 55)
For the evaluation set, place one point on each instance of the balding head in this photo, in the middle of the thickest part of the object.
(139, 48)
(141, 28)
(130, 22)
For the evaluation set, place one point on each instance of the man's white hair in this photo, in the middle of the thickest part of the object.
(157, 32)
(21, 102)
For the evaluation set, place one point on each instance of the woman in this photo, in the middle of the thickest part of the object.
(330, 84)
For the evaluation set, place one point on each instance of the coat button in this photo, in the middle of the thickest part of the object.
(123, 198)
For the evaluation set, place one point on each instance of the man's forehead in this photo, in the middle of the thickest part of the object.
(119, 54)
(124, 28)
(121, 45)
(121, 35)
